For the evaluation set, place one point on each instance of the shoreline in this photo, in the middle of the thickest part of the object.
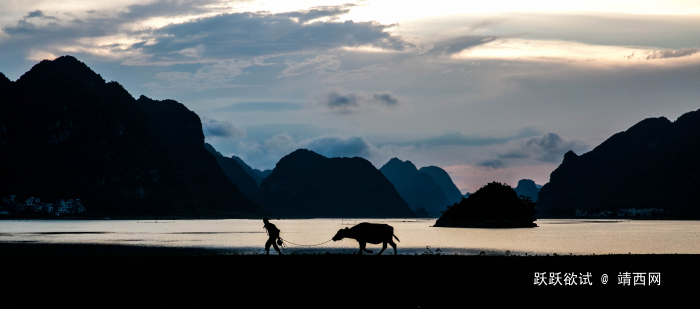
(258, 217)
(39, 249)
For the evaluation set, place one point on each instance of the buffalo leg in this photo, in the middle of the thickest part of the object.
(362, 247)
(393, 245)
(383, 248)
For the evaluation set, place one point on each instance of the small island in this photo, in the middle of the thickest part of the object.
(495, 205)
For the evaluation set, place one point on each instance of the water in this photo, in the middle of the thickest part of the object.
(244, 236)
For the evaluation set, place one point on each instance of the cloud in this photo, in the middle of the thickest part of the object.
(549, 147)
(320, 64)
(218, 128)
(513, 154)
(483, 24)
(671, 53)
(36, 13)
(540, 51)
(163, 8)
(461, 139)
(492, 164)
(218, 75)
(170, 32)
(425, 48)
(359, 74)
(339, 146)
(267, 153)
(263, 106)
(319, 12)
(455, 45)
(345, 102)
(259, 34)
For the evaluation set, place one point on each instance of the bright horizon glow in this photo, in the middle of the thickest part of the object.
(564, 51)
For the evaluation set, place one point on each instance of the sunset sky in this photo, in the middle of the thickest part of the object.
(487, 90)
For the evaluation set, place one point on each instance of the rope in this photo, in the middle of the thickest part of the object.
(286, 241)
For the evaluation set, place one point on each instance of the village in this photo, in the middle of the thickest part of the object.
(13, 205)
(633, 212)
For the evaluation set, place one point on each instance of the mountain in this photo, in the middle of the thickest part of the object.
(494, 205)
(527, 187)
(70, 134)
(236, 173)
(421, 213)
(418, 189)
(262, 174)
(5, 90)
(654, 164)
(443, 180)
(240, 180)
(258, 180)
(306, 184)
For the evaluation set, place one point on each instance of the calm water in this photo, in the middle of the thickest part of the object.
(553, 236)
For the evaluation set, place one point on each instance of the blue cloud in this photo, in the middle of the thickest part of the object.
(263, 106)
(493, 164)
(460, 139)
(258, 34)
(345, 102)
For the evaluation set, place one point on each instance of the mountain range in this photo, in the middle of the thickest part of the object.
(443, 180)
(418, 189)
(67, 133)
(236, 172)
(654, 164)
(527, 187)
(308, 185)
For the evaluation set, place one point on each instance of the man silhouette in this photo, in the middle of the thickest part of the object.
(274, 233)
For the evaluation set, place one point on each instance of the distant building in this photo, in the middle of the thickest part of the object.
(603, 213)
(33, 201)
(70, 206)
(34, 205)
(9, 200)
(646, 212)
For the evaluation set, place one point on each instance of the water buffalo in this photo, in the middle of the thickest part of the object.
(369, 233)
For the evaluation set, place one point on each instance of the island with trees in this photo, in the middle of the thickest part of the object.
(495, 205)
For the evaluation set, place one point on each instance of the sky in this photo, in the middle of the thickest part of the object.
(487, 90)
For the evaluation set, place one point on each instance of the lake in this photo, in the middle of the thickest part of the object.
(246, 236)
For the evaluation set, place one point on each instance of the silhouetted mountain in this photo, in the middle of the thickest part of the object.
(443, 180)
(418, 189)
(495, 205)
(5, 91)
(654, 164)
(421, 213)
(72, 135)
(236, 173)
(262, 174)
(527, 187)
(258, 180)
(306, 184)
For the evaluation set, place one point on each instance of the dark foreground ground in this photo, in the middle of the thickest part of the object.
(96, 276)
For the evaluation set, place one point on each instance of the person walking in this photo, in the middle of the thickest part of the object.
(274, 237)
